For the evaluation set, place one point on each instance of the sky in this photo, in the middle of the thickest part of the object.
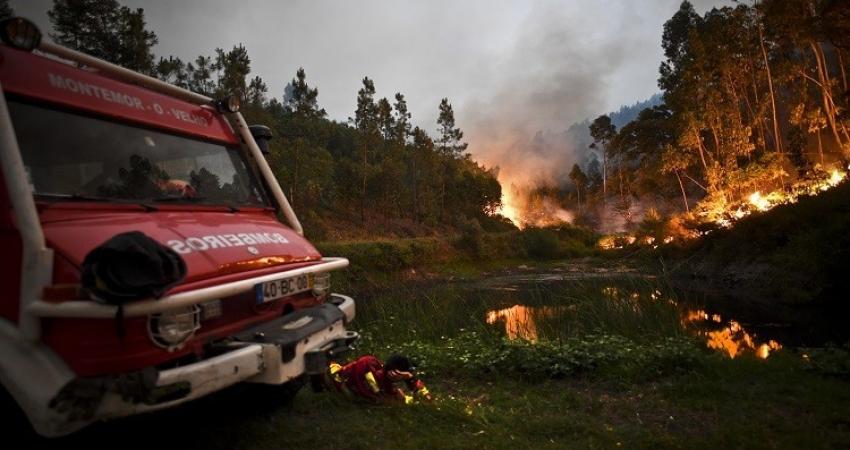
(516, 72)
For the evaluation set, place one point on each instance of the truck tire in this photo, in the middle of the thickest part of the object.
(270, 397)
(16, 421)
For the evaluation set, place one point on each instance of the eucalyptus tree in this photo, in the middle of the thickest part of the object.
(602, 130)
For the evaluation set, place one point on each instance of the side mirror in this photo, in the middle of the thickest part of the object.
(262, 134)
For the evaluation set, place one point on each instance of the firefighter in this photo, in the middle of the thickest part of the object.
(368, 378)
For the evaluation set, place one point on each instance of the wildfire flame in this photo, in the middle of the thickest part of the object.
(759, 202)
(524, 209)
(508, 208)
(725, 214)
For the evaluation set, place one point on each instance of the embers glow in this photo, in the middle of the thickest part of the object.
(759, 202)
(836, 176)
(816, 182)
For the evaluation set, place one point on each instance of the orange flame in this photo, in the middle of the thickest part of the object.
(509, 208)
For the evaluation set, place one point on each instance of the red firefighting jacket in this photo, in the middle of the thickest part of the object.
(365, 377)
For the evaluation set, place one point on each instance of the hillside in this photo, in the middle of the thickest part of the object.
(795, 253)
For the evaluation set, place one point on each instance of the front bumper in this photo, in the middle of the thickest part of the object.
(273, 353)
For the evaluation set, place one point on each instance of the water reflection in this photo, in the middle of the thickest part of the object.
(518, 322)
(726, 336)
(732, 339)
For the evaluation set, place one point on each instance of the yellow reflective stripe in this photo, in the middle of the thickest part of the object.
(334, 370)
(408, 399)
(423, 391)
(373, 383)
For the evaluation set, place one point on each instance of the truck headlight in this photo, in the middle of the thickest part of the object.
(321, 283)
(170, 330)
(20, 33)
(229, 104)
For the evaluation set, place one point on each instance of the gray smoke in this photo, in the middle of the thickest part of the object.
(572, 61)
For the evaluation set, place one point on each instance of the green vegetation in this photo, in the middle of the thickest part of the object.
(380, 263)
(613, 370)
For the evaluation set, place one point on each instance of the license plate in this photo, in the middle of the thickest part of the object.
(275, 289)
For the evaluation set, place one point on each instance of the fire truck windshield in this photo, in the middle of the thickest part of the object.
(74, 156)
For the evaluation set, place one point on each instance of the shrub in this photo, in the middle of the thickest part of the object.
(541, 243)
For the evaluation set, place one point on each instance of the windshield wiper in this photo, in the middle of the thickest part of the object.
(178, 198)
(73, 196)
(91, 198)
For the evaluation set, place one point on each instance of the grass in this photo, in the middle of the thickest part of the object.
(613, 368)
(725, 403)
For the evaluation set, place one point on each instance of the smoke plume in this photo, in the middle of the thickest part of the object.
(569, 62)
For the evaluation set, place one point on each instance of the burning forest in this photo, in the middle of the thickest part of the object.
(742, 125)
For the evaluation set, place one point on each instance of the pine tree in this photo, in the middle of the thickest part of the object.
(402, 119)
(106, 30)
(256, 93)
(449, 141)
(366, 122)
(5, 9)
(233, 68)
(173, 70)
(200, 76)
(135, 41)
(302, 99)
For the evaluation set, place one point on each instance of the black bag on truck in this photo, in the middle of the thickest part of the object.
(130, 266)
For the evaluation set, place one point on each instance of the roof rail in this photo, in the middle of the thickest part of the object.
(162, 87)
(122, 73)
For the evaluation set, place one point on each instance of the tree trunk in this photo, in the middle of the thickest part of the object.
(701, 149)
(442, 196)
(294, 190)
(684, 196)
(842, 69)
(604, 174)
(620, 172)
(776, 136)
(757, 117)
(717, 149)
(363, 197)
(824, 83)
(415, 206)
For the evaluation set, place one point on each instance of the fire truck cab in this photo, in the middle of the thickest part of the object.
(90, 150)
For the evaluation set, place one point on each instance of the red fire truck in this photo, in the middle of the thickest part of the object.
(90, 150)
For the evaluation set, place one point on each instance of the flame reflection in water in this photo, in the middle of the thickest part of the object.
(731, 339)
(520, 321)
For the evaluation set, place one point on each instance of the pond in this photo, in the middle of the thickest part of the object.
(569, 302)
